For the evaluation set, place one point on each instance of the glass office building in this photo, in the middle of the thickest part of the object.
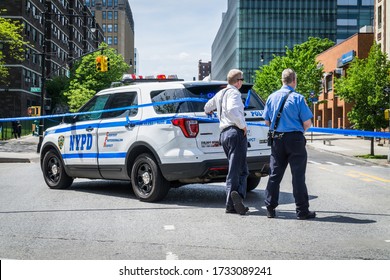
(252, 31)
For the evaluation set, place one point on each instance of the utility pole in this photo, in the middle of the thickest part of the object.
(387, 91)
(45, 14)
(47, 18)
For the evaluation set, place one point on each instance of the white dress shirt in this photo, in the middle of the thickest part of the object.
(232, 108)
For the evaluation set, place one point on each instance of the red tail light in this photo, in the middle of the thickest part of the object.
(190, 128)
(161, 77)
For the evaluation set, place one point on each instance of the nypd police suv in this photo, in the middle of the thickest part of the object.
(154, 135)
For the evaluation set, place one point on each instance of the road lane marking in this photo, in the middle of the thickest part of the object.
(357, 174)
(313, 162)
(171, 256)
(169, 227)
(350, 164)
(332, 163)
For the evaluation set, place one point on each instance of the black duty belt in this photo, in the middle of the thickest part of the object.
(229, 127)
(279, 135)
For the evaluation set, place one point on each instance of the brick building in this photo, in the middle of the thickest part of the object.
(63, 33)
(333, 112)
(204, 69)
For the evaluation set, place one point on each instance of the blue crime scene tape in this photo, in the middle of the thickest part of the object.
(210, 118)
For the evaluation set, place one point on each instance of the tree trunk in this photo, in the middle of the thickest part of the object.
(372, 146)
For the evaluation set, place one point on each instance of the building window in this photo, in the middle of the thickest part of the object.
(116, 28)
(109, 15)
(109, 40)
(104, 27)
(367, 2)
(109, 28)
(347, 2)
(115, 15)
(347, 22)
(115, 40)
(329, 83)
(109, 3)
(379, 17)
(104, 15)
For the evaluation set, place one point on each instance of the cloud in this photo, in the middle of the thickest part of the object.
(172, 36)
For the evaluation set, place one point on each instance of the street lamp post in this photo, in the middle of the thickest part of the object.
(43, 79)
(387, 91)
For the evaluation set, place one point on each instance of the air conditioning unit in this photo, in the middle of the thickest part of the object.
(338, 71)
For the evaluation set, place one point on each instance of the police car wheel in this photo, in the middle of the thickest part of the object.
(54, 173)
(252, 182)
(147, 181)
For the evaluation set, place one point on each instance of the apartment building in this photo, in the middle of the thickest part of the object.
(116, 19)
(58, 32)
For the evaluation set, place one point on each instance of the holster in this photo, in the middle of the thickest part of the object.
(270, 137)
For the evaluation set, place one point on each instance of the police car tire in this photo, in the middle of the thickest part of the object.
(252, 182)
(148, 183)
(58, 179)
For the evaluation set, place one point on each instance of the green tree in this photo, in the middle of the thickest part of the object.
(302, 59)
(55, 90)
(364, 86)
(11, 44)
(86, 81)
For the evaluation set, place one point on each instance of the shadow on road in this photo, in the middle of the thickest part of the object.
(201, 196)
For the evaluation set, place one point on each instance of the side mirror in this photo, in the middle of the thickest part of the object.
(69, 119)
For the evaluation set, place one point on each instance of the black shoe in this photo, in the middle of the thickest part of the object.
(308, 215)
(231, 210)
(271, 212)
(238, 205)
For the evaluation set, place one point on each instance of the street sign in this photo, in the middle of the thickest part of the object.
(35, 89)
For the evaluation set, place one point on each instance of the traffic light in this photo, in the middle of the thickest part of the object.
(99, 59)
(105, 63)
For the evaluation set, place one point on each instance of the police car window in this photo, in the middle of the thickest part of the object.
(95, 104)
(160, 96)
(254, 102)
(204, 92)
(120, 100)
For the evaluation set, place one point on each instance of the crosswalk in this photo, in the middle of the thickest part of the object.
(338, 163)
(330, 163)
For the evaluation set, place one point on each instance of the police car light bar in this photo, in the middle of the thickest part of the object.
(133, 78)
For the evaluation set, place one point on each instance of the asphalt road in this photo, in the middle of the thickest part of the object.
(100, 220)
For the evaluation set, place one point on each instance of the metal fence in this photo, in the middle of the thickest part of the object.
(29, 127)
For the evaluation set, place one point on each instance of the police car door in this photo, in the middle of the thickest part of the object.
(80, 139)
(117, 133)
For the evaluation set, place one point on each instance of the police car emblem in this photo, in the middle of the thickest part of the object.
(61, 140)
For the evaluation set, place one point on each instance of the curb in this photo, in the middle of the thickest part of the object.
(15, 160)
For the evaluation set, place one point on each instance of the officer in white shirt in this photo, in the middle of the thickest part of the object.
(230, 109)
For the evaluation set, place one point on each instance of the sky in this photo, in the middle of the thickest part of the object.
(171, 36)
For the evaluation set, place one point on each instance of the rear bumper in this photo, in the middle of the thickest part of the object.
(209, 170)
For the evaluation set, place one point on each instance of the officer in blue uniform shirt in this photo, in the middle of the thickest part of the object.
(288, 145)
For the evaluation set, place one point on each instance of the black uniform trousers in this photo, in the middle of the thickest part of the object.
(290, 148)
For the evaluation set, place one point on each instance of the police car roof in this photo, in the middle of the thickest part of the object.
(159, 85)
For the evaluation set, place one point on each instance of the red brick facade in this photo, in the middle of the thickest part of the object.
(333, 112)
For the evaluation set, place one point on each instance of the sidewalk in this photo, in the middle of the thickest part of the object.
(25, 149)
(19, 150)
(350, 146)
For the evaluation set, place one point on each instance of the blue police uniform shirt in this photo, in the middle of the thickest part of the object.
(294, 114)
